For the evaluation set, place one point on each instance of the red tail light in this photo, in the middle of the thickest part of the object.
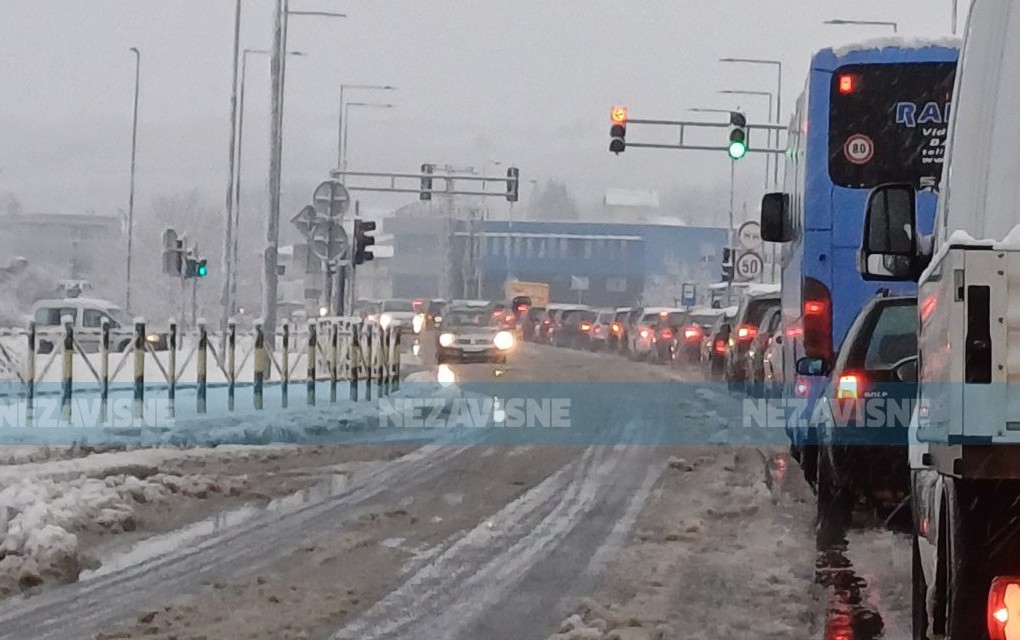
(644, 333)
(521, 308)
(666, 334)
(746, 332)
(510, 317)
(616, 327)
(585, 326)
(1004, 608)
(817, 320)
(597, 329)
(547, 321)
(719, 346)
(849, 386)
(801, 388)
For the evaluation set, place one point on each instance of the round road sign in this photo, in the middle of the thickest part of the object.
(859, 149)
(749, 235)
(331, 198)
(749, 266)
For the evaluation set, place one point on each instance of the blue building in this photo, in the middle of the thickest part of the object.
(604, 264)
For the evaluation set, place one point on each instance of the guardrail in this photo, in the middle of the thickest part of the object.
(81, 363)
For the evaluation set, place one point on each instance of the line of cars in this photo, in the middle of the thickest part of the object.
(733, 343)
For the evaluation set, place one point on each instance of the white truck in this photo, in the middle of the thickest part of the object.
(965, 434)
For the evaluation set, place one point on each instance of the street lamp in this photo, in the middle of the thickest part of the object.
(374, 105)
(234, 258)
(779, 93)
(131, 192)
(281, 20)
(870, 23)
(340, 123)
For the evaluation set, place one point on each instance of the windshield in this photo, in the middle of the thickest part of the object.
(467, 318)
(888, 123)
(397, 305)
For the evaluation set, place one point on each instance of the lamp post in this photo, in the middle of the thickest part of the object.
(131, 191)
(281, 15)
(868, 23)
(234, 257)
(341, 118)
(347, 122)
(779, 94)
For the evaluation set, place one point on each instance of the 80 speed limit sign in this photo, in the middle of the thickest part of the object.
(749, 266)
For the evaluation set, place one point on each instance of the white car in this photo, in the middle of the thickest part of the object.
(398, 313)
(645, 335)
(471, 334)
(87, 315)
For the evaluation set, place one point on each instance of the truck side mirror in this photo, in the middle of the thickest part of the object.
(776, 225)
(889, 247)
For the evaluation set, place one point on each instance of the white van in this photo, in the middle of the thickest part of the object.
(965, 434)
(88, 315)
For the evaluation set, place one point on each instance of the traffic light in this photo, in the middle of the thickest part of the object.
(173, 247)
(362, 241)
(618, 132)
(426, 182)
(195, 267)
(513, 184)
(738, 135)
(727, 264)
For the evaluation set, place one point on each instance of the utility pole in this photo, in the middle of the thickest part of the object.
(270, 259)
(228, 237)
(131, 194)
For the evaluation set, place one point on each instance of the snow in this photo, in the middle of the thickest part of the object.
(897, 42)
(763, 289)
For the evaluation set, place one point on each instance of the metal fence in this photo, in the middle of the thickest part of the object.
(81, 362)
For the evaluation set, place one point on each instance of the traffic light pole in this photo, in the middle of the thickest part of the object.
(729, 235)
(685, 125)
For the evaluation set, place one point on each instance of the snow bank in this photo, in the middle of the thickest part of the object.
(41, 519)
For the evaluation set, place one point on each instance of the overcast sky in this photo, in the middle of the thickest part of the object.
(528, 82)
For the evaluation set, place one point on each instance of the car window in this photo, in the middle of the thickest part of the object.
(893, 338)
(756, 310)
(397, 305)
(467, 318)
(674, 319)
(650, 318)
(92, 318)
(50, 316)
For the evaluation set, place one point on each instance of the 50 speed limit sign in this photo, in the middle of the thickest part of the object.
(749, 266)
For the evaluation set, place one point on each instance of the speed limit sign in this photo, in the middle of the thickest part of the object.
(749, 266)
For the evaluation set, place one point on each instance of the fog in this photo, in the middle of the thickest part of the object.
(527, 82)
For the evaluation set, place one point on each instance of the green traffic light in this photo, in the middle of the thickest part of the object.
(202, 270)
(738, 150)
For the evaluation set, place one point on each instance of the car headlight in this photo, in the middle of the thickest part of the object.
(438, 319)
(504, 340)
(152, 337)
(418, 323)
(445, 375)
(446, 339)
(385, 320)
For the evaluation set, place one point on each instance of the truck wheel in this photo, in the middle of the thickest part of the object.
(919, 597)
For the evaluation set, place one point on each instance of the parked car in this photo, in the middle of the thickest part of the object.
(601, 330)
(860, 419)
(87, 316)
(469, 334)
(756, 304)
(618, 329)
(754, 360)
(573, 328)
(716, 345)
(687, 343)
